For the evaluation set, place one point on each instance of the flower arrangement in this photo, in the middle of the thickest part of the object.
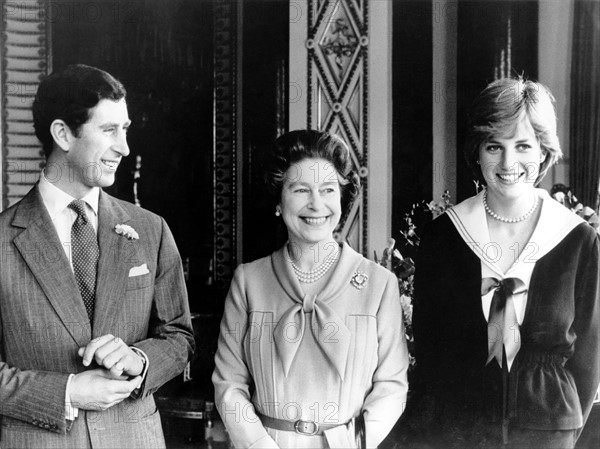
(564, 196)
(404, 268)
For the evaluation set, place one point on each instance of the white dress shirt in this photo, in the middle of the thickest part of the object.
(63, 217)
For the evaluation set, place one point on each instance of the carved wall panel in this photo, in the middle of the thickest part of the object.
(225, 144)
(338, 46)
(24, 62)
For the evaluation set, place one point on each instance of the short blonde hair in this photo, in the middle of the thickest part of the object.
(500, 107)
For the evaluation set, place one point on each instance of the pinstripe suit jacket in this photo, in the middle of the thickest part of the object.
(43, 322)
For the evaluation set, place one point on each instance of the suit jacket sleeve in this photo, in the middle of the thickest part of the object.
(33, 396)
(584, 364)
(37, 397)
(170, 340)
(232, 379)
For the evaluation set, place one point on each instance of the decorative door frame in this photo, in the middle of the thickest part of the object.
(340, 81)
(226, 112)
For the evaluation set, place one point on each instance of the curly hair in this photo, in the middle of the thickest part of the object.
(498, 110)
(298, 145)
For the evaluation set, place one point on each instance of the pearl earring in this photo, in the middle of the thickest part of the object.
(277, 212)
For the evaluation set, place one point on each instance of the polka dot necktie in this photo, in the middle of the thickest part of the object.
(84, 254)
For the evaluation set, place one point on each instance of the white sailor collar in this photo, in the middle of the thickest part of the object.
(555, 222)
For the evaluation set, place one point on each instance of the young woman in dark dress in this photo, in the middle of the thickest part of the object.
(507, 292)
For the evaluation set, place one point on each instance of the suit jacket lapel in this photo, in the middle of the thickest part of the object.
(43, 253)
(116, 253)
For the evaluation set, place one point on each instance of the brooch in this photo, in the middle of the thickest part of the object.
(127, 231)
(359, 279)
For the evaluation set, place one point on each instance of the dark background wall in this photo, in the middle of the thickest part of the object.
(163, 54)
(482, 42)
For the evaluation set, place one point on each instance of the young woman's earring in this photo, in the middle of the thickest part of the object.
(277, 212)
(478, 163)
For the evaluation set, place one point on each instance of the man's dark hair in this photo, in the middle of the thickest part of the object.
(69, 95)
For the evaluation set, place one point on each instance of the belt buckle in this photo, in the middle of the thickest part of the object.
(302, 426)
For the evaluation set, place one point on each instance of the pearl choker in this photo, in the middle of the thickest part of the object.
(308, 277)
(523, 217)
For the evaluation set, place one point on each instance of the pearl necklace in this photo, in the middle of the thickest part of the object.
(308, 277)
(523, 217)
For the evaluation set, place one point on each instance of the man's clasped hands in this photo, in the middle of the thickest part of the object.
(118, 374)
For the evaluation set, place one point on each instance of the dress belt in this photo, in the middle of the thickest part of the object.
(301, 426)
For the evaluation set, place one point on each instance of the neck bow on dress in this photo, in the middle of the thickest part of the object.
(314, 311)
(503, 327)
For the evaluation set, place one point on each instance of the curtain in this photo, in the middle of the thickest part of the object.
(584, 133)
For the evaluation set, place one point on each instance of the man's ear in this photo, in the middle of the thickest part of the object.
(62, 135)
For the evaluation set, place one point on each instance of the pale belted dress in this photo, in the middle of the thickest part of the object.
(324, 358)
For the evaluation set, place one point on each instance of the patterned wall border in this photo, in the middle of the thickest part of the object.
(24, 62)
(320, 16)
(225, 142)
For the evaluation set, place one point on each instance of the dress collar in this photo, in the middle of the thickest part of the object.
(348, 263)
(555, 222)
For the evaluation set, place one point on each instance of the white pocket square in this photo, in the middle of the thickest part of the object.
(138, 271)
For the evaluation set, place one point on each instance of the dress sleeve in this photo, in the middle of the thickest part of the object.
(387, 399)
(232, 379)
(584, 364)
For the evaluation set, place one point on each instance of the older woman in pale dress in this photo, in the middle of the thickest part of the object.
(311, 352)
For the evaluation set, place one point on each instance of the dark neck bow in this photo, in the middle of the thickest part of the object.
(503, 327)
(329, 329)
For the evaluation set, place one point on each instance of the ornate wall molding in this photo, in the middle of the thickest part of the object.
(24, 63)
(225, 142)
(337, 97)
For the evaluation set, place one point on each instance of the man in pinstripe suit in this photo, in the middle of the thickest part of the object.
(75, 375)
